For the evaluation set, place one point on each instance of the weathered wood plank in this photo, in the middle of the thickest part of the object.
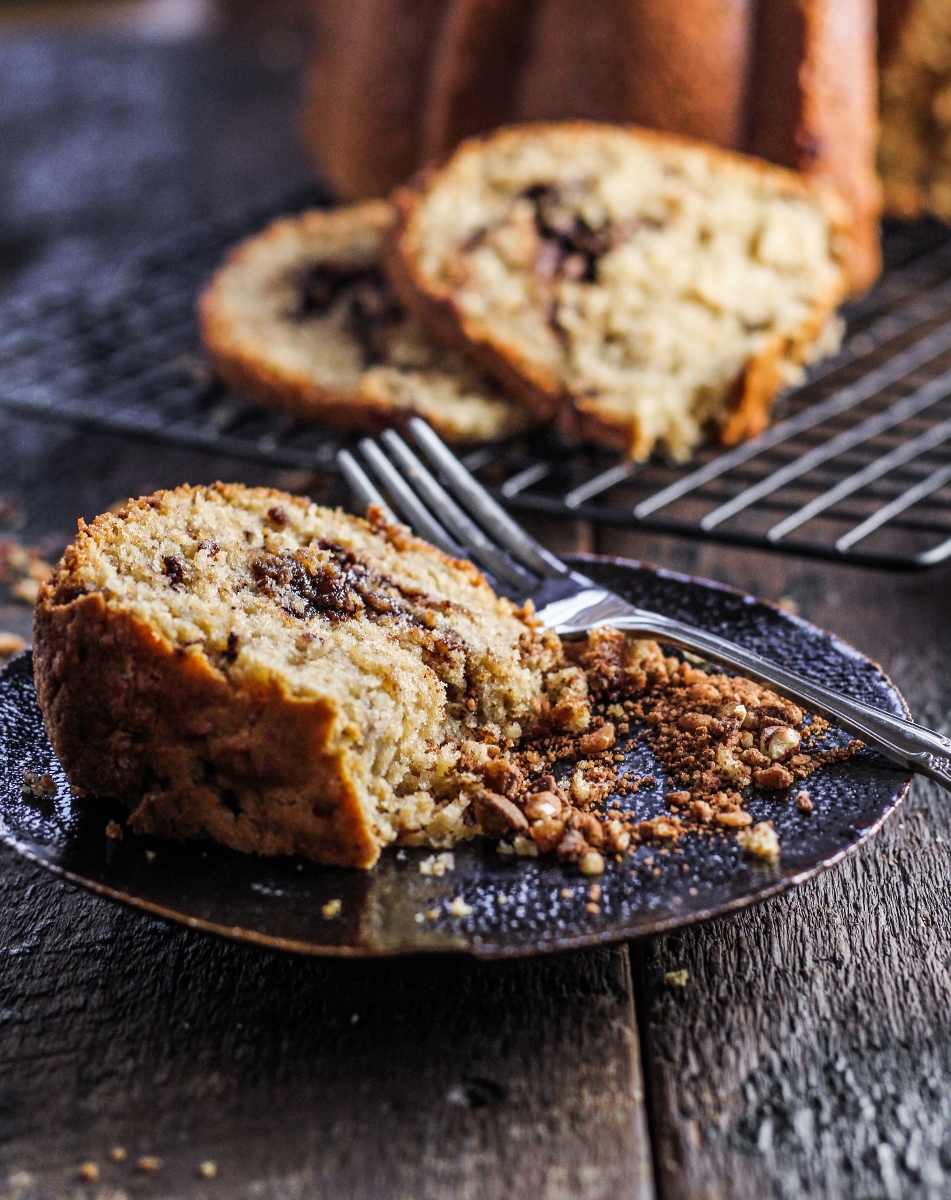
(300, 1077)
(809, 1054)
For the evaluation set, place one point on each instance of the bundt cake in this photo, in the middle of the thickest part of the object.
(396, 86)
(301, 318)
(635, 286)
(915, 144)
(243, 665)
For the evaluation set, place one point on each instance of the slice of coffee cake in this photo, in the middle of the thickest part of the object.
(241, 664)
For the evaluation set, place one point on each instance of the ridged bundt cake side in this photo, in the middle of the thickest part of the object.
(393, 87)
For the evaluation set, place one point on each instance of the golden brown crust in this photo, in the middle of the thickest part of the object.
(439, 314)
(539, 389)
(129, 715)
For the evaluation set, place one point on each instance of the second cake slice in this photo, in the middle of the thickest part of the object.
(640, 288)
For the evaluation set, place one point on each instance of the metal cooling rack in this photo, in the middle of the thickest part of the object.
(856, 467)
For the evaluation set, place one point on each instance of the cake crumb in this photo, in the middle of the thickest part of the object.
(114, 831)
(438, 864)
(118, 1154)
(150, 856)
(331, 909)
(677, 978)
(10, 644)
(149, 1164)
(459, 908)
(35, 784)
(88, 1172)
(26, 590)
(804, 802)
(760, 842)
(591, 907)
(208, 1169)
(591, 863)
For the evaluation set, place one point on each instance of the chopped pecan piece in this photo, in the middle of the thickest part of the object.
(753, 758)
(498, 815)
(548, 783)
(591, 863)
(547, 834)
(778, 742)
(542, 806)
(598, 740)
(572, 846)
(733, 820)
(775, 777)
(616, 836)
(587, 825)
(691, 722)
(503, 777)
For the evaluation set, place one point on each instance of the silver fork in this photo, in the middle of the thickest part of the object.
(449, 507)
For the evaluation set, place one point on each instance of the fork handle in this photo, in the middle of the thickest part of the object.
(914, 747)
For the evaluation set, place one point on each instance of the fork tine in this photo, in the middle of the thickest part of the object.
(414, 513)
(361, 485)
(489, 515)
(435, 497)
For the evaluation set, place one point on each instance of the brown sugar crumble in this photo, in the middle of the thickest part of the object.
(22, 569)
(717, 736)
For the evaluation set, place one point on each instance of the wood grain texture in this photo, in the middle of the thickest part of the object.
(809, 1054)
(298, 1077)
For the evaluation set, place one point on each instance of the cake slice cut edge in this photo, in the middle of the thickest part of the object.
(641, 289)
(300, 318)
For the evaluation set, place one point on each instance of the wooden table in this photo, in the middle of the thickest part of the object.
(809, 1053)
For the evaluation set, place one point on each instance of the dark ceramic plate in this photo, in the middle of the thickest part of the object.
(516, 906)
